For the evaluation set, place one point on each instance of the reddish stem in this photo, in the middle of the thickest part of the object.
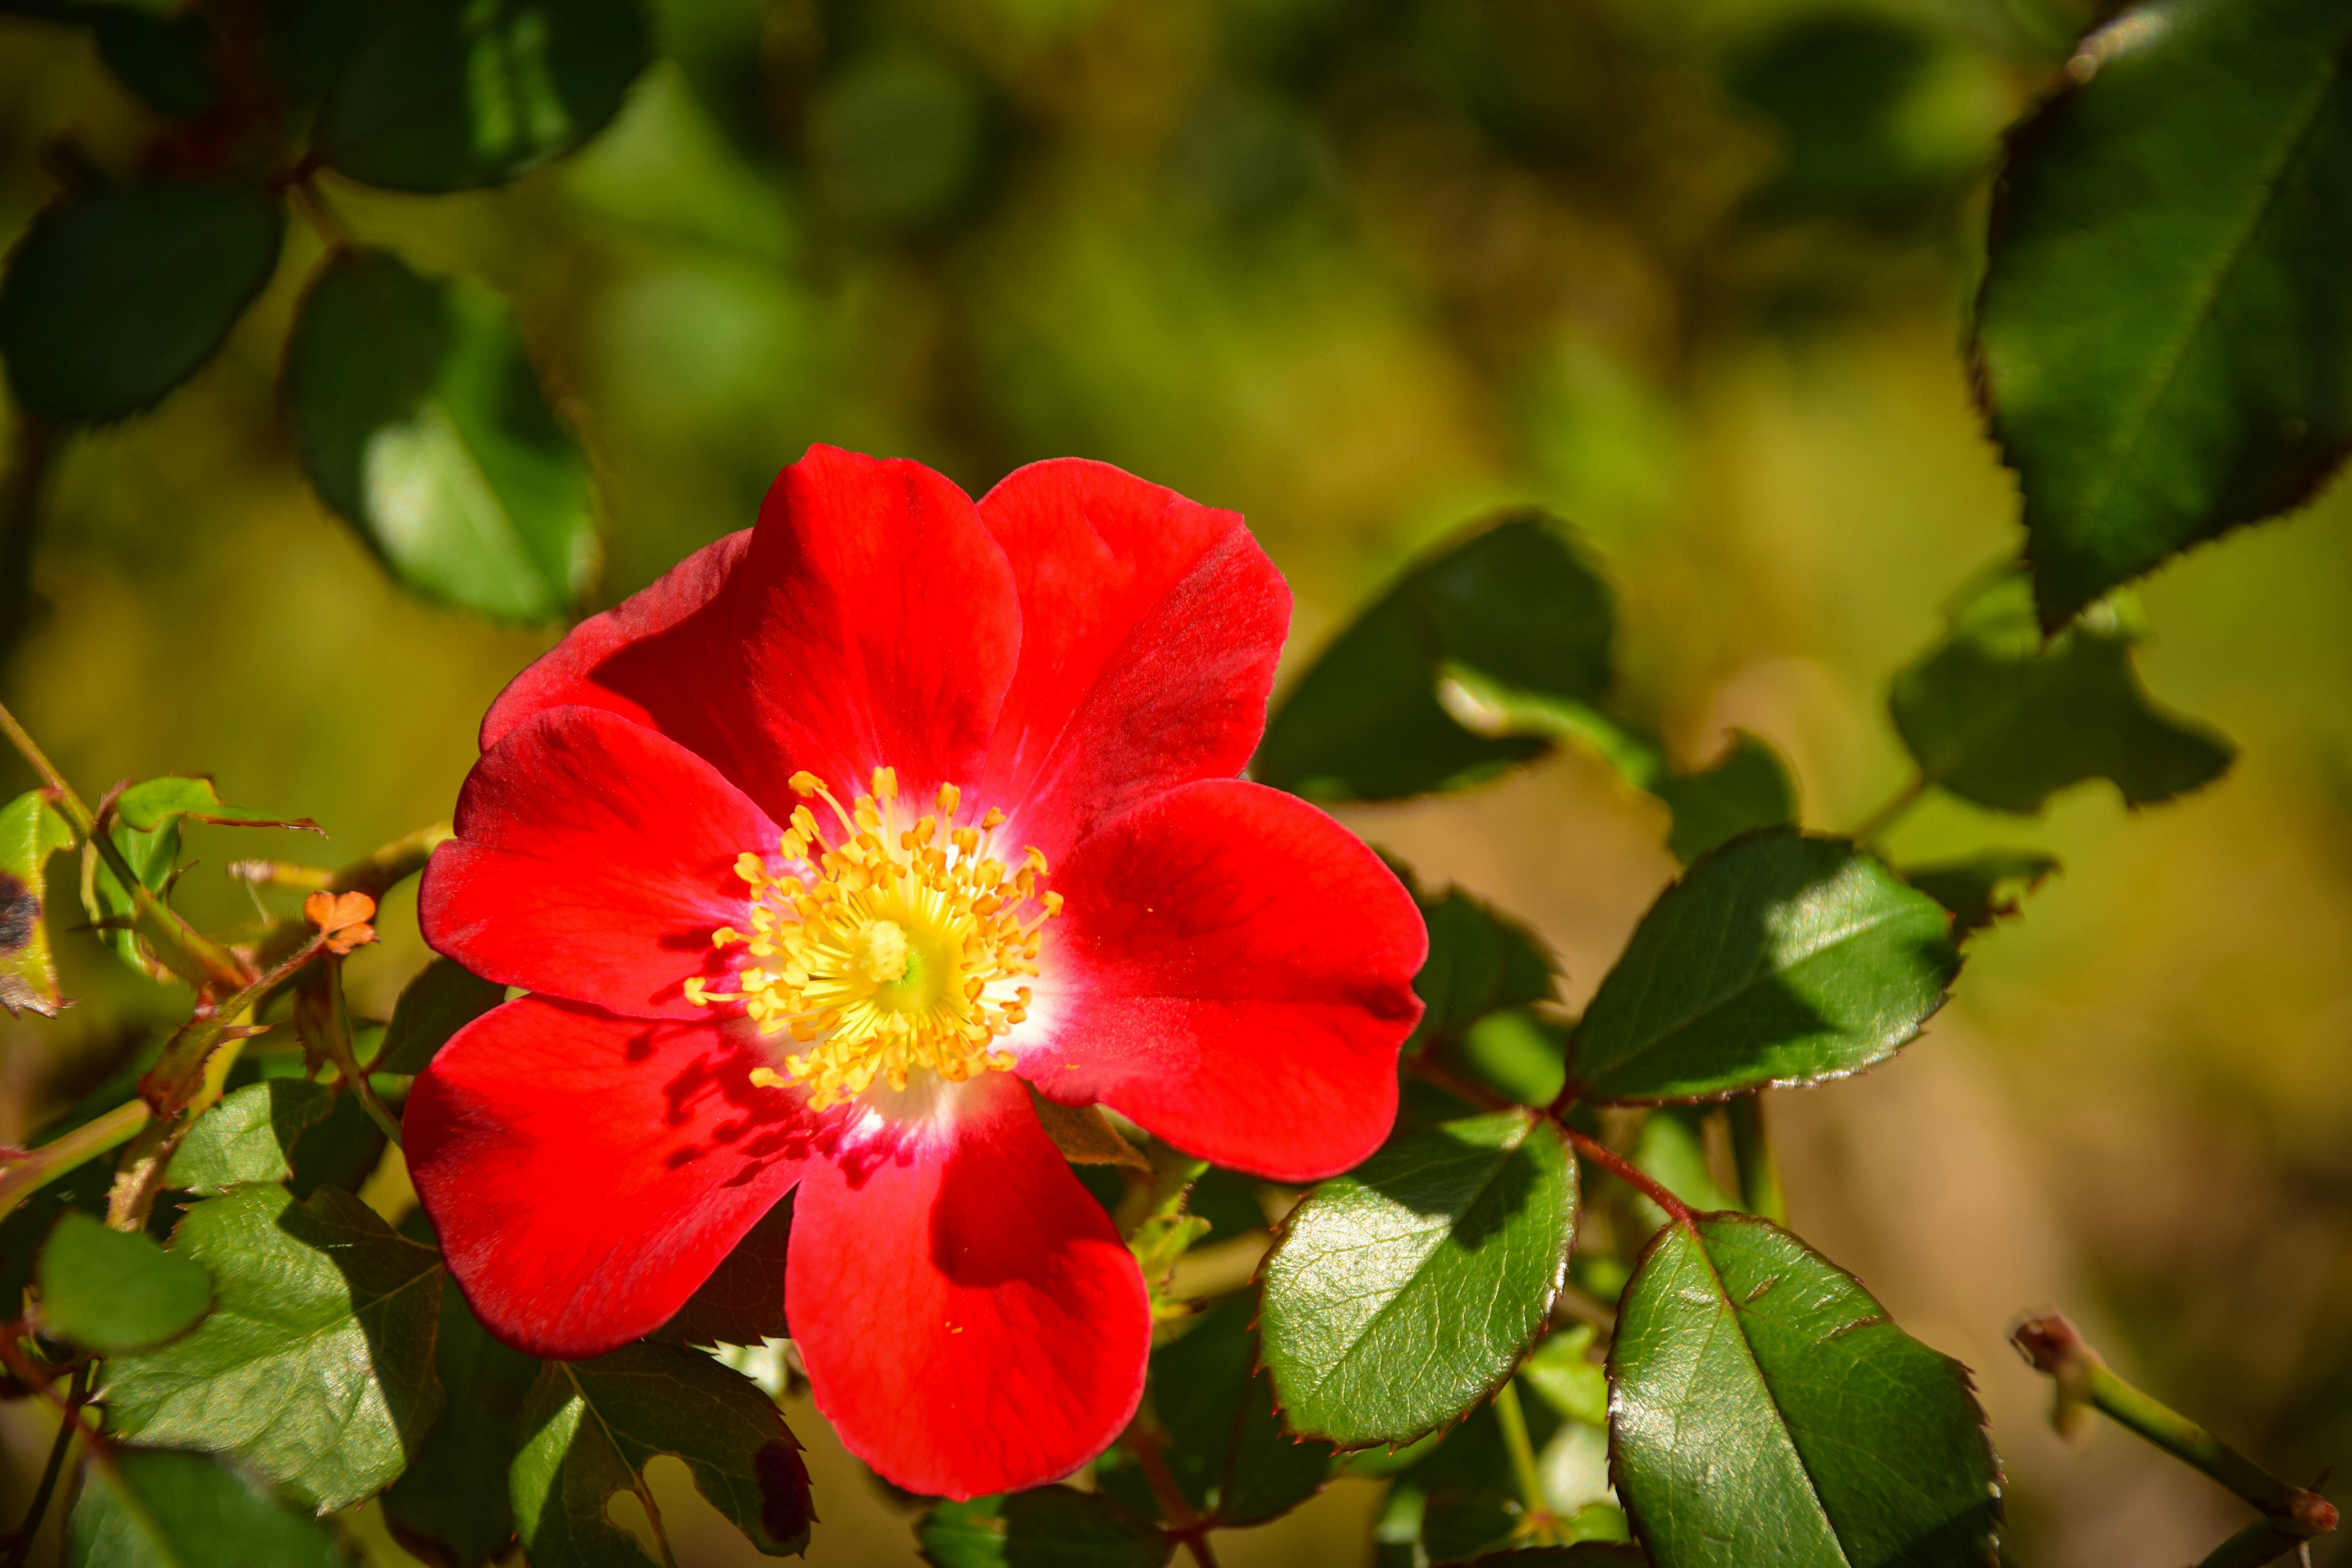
(1617, 1165)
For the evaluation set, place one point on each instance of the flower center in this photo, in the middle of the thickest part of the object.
(896, 945)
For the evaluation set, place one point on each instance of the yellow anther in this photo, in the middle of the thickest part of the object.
(886, 783)
(803, 783)
(950, 798)
(994, 819)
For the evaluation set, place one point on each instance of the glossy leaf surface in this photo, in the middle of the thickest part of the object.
(157, 1507)
(316, 1364)
(419, 420)
(1403, 1293)
(116, 296)
(444, 94)
(1047, 1527)
(249, 1136)
(1766, 1414)
(589, 1429)
(1516, 603)
(1779, 959)
(1996, 716)
(31, 830)
(2165, 334)
(115, 1290)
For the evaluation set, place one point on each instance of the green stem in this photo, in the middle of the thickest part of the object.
(69, 1149)
(1880, 822)
(2259, 1542)
(336, 1034)
(1760, 1193)
(1514, 1421)
(374, 875)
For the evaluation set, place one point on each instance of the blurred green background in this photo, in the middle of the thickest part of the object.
(1693, 275)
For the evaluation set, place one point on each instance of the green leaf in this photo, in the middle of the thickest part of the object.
(1984, 888)
(114, 297)
(444, 94)
(1519, 1052)
(1996, 716)
(1562, 1370)
(451, 1505)
(1672, 1151)
(1480, 960)
(166, 60)
(145, 824)
(154, 1507)
(444, 998)
(315, 1365)
(742, 1302)
(1460, 1498)
(1403, 1293)
(1226, 1446)
(249, 1136)
(1583, 1554)
(115, 1290)
(2165, 334)
(152, 804)
(1766, 1414)
(31, 830)
(1050, 1527)
(1515, 603)
(1747, 787)
(1778, 959)
(419, 420)
(590, 1427)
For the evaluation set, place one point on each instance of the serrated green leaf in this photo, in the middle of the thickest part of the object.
(1515, 603)
(589, 1429)
(1049, 1527)
(1998, 717)
(1226, 1446)
(1778, 959)
(1746, 788)
(742, 1302)
(31, 830)
(1984, 888)
(2165, 334)
(444, 94)
(115, 1290)
(1766, 1414)
(1479, 959)
(156, 1508)
(116, 296)
(444, 998)
(315, 1365)
(419, 420)
(249, 1136)
(1403, 1293)
(450, 1506)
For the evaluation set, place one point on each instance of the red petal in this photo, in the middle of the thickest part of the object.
(1151, 626)
(587, 1172)
(1234, 970)
(968, 1320)
(868, 620)
(594, 859)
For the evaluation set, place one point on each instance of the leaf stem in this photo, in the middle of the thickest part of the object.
(32, 1171)
(1880, 822)
(1760, 1191)
(2054, 1346)
(1141, 1439)
(68, 1423)
(336, 1035)
(2259, 1542)
(1514, 1422)
(1454, 1084)
(1617, 1165)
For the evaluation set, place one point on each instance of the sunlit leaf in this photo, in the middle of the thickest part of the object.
(31, 830)
(1049, 1527)
(1768, 1415)
(443, 94)
(116, 296)
(2165, 335)
(116, 1290)
(316, 1364)
(1778, 959)
(155, 1508)
(249, 1136)
(1403, 1293)
(419, 420)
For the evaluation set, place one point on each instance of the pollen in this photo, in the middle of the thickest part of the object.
(883, 944)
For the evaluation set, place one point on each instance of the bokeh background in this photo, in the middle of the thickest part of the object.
(1694, 274)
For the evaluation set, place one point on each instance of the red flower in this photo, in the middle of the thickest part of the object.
(816, 848)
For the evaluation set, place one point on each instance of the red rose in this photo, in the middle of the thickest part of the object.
(813, 851)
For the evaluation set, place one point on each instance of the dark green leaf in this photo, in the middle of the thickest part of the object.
(31, 830)
(1984, 888)
(1402, 1294)
(154, 1507)
(116, 1290)
(589, 1429)
(443, 999)
(1515, 603)
(167, 60)
(341, 1151)
(249, 1136)
(742, 1302)
(114, 297)
(1747, 787)
(316, 1364)
(1460, 1498)
(1225, 1445)
(1479, 959)
(419, 420)
(2165, 335)
(1778, 959)
(1998, 717)
(1768, 1415)
(444, 94)
(1051, 1527)
(451, 1505)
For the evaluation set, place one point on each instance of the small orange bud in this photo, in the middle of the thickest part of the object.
(343, 917)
